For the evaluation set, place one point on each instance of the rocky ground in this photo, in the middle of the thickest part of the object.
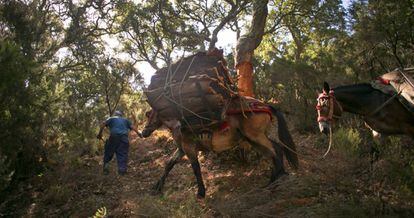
(340, 185)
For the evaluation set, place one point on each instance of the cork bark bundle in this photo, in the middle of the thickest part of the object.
(193, 89)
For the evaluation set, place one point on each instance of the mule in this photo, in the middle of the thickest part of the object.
(382, 113)
(245, 127)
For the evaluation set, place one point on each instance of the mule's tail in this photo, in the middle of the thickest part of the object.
(289, 147)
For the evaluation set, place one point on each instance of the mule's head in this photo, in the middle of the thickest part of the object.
(153, 123)
(328, 109)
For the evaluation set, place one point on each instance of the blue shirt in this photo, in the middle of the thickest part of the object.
(118, 125)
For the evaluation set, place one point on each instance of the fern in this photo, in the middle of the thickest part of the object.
(101, 213)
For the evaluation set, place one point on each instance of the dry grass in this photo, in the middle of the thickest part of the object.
(339, 185)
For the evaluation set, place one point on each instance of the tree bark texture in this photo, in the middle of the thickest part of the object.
(246, 46)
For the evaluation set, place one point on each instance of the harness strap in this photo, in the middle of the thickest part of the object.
(331, 99)
(262, 110)
(331, 106)
(384, 81)
(406, 78)
(384, 104)
(205, 100)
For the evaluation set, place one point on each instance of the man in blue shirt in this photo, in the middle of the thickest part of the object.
(117, 142)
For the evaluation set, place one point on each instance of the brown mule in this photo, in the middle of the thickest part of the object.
(254, 127)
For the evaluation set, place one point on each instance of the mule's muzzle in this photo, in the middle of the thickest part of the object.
(146, 133)
(324, 127)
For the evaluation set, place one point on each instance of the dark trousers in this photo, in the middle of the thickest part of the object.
(119, 145)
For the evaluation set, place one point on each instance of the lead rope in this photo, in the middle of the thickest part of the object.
(331, 115)
(330, 143)
(295, 152)
(331, 107)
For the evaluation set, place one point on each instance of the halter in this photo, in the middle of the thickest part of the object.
(331, 98)
(150, 117)
(150, 114)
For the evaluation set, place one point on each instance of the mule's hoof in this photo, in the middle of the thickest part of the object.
(282, 174)
(201, 196)
(266, 186)
(272, 183)
(156, 192)
(156, 189)
(279, 175)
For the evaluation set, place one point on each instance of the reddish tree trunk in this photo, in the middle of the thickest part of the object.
(247, 44)
(245, 83)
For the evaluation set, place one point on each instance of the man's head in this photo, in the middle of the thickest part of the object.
(118, 113)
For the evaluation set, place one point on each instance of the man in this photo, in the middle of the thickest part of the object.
(118, 141)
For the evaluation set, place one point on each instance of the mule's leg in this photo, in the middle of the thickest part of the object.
(201, 193)
(279, 153)
(192, 154)
(263, 144)
(244, 148)
(254, 130)
(178, 154)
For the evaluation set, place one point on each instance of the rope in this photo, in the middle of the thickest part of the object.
(180, 96)
(330, 142)
(287, 147)
(305, 157)
(168, 81)
(169, 77)
(186, 73)
(178, 67)
(199, 116)
(302, 155)
(173, 75)
(384, 104)
(167, 91)
(242, 109)
(406, 77)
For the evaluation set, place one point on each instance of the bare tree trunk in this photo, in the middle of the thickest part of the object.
(246, 46)
(296, 35)
(236, 8)
(107, 100)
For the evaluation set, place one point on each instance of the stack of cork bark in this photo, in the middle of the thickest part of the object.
(194, 90)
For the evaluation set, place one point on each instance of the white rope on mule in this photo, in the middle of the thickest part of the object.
(330, 142)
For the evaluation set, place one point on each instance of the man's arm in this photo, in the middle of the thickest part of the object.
(135, 130)
(131, 127)
(102, 126)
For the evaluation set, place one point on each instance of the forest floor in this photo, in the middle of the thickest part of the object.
(340, 185)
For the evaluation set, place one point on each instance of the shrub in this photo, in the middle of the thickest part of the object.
(347, 139)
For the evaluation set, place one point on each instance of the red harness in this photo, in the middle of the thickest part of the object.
(253, 107)
(331, 98)
(384, 81)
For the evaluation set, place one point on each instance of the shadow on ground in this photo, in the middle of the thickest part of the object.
(339, 185)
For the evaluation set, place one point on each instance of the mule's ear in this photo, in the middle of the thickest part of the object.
(326, 87)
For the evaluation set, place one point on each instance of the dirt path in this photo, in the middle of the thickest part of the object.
(339, 185)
